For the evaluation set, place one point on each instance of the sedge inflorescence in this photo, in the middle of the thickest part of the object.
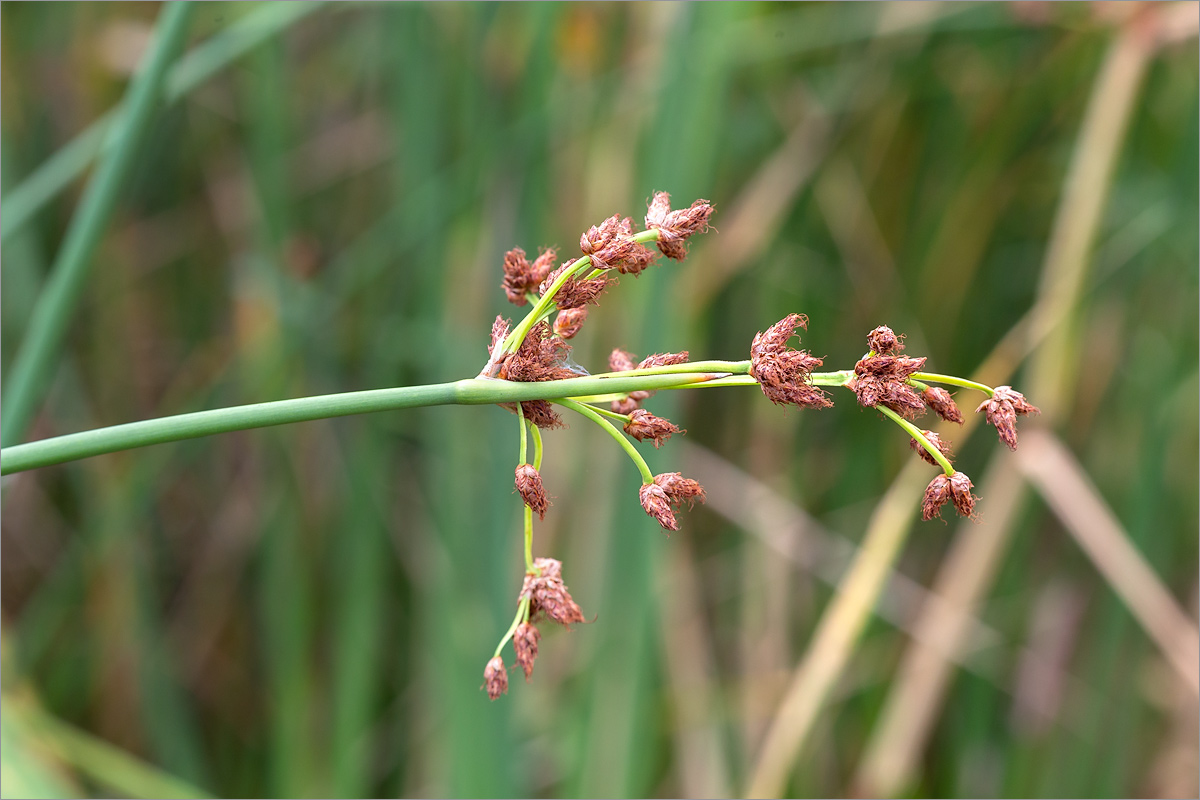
(537, 350)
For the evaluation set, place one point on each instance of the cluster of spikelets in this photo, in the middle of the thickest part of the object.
(883, 379)
(544, 355)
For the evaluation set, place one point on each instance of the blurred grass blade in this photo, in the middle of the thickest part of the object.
(1059, 478)
(37, 357)
(188, 73)
(109, 766)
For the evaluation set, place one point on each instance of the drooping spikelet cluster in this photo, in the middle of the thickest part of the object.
(537, 350)
(543, 354)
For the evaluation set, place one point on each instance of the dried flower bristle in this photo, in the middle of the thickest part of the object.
(575, 291)
(521, 276)
(529, 486)
(569, 321)
(548, 595)
(643, 425)
(663, 360)
(679, 489)
(674, 227)
(782, 373)
(1002, 410)
(884, 341)
(936, 495)
(883, 380)
(525, 643)
(960, 494)
(935, 440)
(942, 404)
(539, 358)
(656, 503)
(495, 678)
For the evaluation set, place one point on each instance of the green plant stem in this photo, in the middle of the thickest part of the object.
(522, 615)
(53, 312)
(622, 418)
(733, 367)
(472, 391)
(524, 443)
(626, 445)
(919, 435)
(189, 72)
(933, 377)
(537, 447)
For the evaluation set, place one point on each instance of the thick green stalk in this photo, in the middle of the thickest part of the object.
(933, 377)
(69, 162)
(38, 355)
(473, 391)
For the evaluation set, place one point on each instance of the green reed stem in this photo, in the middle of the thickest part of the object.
(522, 615)
(472, 391)
(53, 312)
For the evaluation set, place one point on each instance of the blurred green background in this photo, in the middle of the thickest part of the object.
(307, 610)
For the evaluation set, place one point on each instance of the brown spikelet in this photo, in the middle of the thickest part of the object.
(679, 489)
(620, 360)
(782, 373)
(960, 494)
(936, 495)
(548, 595)
(569, 321)
(674, 227)
(643, 425)
(884, 341)
(1002, 409)
(663, 360)
(495, 678)
(942, 404)
(935, 440)
(657, 504)
(518, 276)
(529, 486)
(500, 329)
(525, 643)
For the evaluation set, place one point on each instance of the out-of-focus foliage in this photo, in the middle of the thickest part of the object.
(308, 610)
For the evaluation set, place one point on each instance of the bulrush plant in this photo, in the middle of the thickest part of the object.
(529, 371)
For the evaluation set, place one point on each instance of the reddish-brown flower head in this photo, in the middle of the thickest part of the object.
(935, 440)
(679, 489)
(643, 425)
(569, 321)
(663, 360)
(667, 495)
(960, 494)
(541, 357)
(936, 495)
(1002, 410)
(601, 236)
(548, 595)
(622, 361)
(576, 291)
(525, 642)
(942, 404)
(520, 276)
(884, 341)
(539, 413)
(610, 248)
(495, 678)
(656, 503)
(529, 485)
(783, 374)
(882, 379)
(674, 227)
(500, 330)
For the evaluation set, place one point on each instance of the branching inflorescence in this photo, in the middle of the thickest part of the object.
(537, 350)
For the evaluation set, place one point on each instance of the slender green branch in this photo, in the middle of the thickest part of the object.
(626, 445)
(524, 443)
(52, 314)
(622, 418)
(522, 615)
(733, 367)
(933, 377)
(474, 391)
(919, 435)
(537, 447)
